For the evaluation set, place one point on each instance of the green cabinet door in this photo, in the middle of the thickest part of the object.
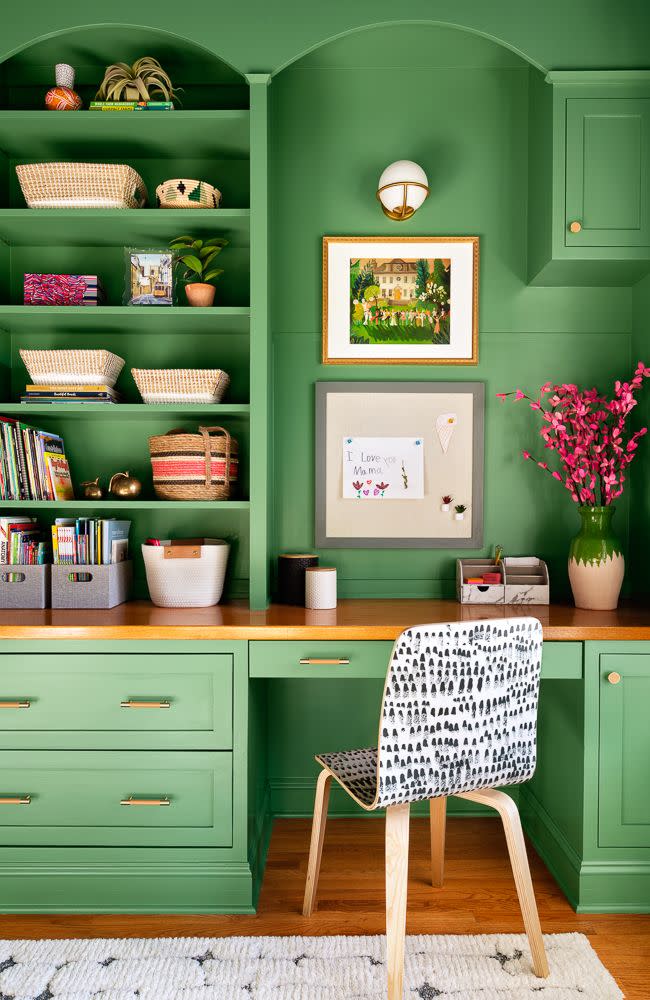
(608, 172)
(624, 779)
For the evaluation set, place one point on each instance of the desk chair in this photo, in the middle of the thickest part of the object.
(459, 717)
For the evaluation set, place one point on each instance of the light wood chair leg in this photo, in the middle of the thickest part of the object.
(519, 860)
(397, 866)
(317, 837)
(437, 823)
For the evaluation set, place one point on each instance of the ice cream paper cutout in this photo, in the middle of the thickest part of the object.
(445, 424)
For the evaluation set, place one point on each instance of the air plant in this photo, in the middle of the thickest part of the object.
(138, 82)
(196, 256)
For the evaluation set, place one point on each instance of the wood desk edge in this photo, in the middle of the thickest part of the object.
(361, 619)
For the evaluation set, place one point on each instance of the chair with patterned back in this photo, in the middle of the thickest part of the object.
(459, 717)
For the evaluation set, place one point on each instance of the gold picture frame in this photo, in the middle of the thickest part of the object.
(406, 322)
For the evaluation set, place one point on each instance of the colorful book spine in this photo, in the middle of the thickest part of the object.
(131, 106)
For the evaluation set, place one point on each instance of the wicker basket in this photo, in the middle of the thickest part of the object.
(194, 466)
(72, 367)
(181, 385)
(81, 185)
(180, 192)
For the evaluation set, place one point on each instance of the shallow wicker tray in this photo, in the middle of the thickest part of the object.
(72, 367)
(81, 185)
(181, 385)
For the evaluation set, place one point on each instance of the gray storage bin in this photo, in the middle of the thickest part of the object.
(105, 587)
(25, 586)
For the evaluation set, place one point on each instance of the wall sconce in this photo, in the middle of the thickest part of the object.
(403, 187)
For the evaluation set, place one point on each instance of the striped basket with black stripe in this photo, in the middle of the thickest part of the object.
(194, 466)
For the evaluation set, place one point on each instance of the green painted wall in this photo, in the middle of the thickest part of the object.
(640, 471)
(459, 106)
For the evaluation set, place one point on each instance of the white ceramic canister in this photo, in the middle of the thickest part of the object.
(320, 588)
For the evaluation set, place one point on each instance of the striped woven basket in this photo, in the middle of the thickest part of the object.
(81, 185)
(71, 367)
(181, 385)
(194, 466)
(181, 192)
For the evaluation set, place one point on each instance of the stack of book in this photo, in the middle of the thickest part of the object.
(131, 106)
(70, 394)
(89, 541)
(21, 542)
(33, 465)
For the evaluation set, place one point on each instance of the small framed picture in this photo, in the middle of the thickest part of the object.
(410, 300)
(149, 277)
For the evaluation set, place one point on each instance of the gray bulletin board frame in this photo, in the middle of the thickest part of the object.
(475, 539)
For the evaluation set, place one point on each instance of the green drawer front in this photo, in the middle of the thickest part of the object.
(350, 659)
(561, 660)
(66, 799)
(124, 700)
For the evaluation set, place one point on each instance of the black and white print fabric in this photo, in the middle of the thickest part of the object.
(471, 967)
(459, 713)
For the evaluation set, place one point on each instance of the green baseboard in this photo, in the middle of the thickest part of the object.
(125, 887)
(590, 886)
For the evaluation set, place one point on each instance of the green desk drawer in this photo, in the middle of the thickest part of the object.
(561, 660)
(120, 700)
(301, 659)
(64, 799)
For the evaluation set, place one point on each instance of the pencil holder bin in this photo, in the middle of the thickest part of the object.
(187, 573)
(91, 586)
(25, 586)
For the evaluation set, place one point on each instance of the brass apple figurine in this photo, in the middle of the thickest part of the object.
(92, 489)
(125, 486)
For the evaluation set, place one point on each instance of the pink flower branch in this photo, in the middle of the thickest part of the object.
(587, 431)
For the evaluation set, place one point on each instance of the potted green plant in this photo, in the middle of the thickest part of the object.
(459, 514)
(194, 258)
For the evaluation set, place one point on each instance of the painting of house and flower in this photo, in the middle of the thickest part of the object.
(403, 300)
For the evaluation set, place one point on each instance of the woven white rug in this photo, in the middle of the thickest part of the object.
(479, 967)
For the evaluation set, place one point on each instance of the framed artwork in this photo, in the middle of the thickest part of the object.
(410, 300)
(149, 277)
(399, 464)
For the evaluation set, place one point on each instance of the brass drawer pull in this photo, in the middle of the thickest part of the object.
(315, 661)
(15, 704)
(15, 800)
(575, 226)
(145, 704)
(131, 801)
(614, 677)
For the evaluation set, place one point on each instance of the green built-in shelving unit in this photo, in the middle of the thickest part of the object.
(219, 133)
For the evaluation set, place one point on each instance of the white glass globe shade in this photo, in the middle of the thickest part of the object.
(400, 174)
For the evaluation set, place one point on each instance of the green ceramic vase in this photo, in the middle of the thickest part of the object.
(596, 563)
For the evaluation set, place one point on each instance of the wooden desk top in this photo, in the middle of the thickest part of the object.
(352, 619)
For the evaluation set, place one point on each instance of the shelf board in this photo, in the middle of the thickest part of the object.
(25, 411)
(75, 135)
(99, 505)
(104, 227)
(123, 319)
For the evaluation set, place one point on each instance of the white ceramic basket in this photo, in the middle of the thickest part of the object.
(176, 580)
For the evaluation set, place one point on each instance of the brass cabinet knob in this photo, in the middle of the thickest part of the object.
(575, 227)
(614, 678)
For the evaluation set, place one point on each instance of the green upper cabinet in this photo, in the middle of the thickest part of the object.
(589, 178)
(607, 172)
(624, 775)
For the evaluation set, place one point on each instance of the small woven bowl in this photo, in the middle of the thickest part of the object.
(181, 192)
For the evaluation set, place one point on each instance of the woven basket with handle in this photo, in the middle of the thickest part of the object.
(194, 466)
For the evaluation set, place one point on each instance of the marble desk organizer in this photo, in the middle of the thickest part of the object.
(524, 580)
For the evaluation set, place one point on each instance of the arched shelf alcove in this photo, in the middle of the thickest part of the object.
(207, 81)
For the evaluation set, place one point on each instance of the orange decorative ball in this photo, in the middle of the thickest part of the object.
(62, 99)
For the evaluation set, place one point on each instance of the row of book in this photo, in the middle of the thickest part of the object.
(131, 106)
(21, 542)
(33, 465)
(89, 541)
(70, 394)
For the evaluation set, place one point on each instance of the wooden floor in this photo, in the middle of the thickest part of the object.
(478, 897)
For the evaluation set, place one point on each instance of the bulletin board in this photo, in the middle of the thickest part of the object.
(388, 454)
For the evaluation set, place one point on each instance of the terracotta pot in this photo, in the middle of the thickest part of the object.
(199, 293)
(596, 564)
